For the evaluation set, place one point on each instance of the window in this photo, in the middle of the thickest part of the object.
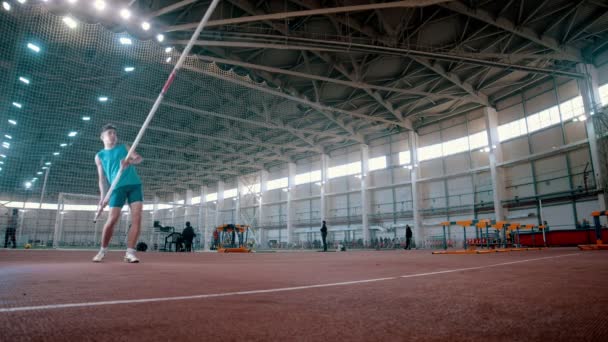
(404, 158)
(455, 146)
(604, 95)
(512, 129)
(545, 118)
(196, 200)
(230, 193)
(478, 140)
(308, 177)
(430, 152)
(211, 197)
(344, 170)
(277, 184)
(572, 108)
(377, 163)
(251, 189)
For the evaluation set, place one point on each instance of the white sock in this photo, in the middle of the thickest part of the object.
(130, 251)
(104, 249)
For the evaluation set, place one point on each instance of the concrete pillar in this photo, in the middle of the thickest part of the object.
(324, 185)
(176, 199)
(237, 202)
(188, 206)
(203, 225)
(495, 157)
(418, 230)
(291, 190)
(219, 205)
(364, 197)
(260, 198)
(589, 89)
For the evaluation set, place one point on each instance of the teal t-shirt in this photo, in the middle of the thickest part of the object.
(110, 161)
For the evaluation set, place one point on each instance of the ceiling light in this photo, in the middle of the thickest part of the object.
(55, 153)
(3, 155)
(70, 22)
(24, 80)
(168, 49)
(12, 122)
(33, 47)
(125, 13)
(63, 145)
(145, 25)
(8, 136)
(99, 5)
(168, 59)
(129, 69)
(125, 41)
(21, 1)
(39, 172)
(28, 185)
(160, 37)
(6, 5)
(72, 134)
(72, 1)
(47, 163)
(86, 118)
(17, 104)
(103, 99)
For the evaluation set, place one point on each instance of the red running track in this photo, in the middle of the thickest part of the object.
(550, 295)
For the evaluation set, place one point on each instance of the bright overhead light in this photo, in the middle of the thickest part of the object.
(6, 144)
(125, 41)
(55, 153)
(70, 22)
(160, 37)
(3, 155)
(33, 47)
(6, 6)
(34, 179)
(21, 1)
(1, 163)
(168, 60)
(24, 80)
(145, 25)
(44, 167)
(47, 163)
(99, 5)
(12, 122)
(8, 136)
(129, 69)
(72, 1)
(28, 185)
(103, 99)
(125, 13)
(168, 49)
(17, 104)
(39, 172)
(86, 118)
(63, 145)
(72, 134)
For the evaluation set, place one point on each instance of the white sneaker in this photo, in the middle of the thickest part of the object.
(131, 258)
(99, 257)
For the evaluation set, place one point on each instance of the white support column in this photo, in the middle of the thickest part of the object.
(219, 203)
(153, 234)
(364, 199)
(589, 89)
(237, 204)
(324, 185)
(176, 198)
(260, 198)
(203, 225)
(188, 206)
(418, 230)
(291, 190)
(495, 157)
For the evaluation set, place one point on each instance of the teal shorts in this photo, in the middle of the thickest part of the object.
(132, 193)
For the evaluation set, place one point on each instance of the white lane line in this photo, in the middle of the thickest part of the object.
(283, 289)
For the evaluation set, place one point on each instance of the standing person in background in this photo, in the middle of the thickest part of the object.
(188, 235)
(11, 229)
(324, 236)
(408, 237)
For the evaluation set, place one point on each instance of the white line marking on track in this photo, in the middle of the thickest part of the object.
(251, 292)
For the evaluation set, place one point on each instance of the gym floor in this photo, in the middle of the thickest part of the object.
(558, 294)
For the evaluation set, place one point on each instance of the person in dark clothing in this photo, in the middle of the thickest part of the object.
(188, 235)
(324, 236)
(408, 237)
(11, 229)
